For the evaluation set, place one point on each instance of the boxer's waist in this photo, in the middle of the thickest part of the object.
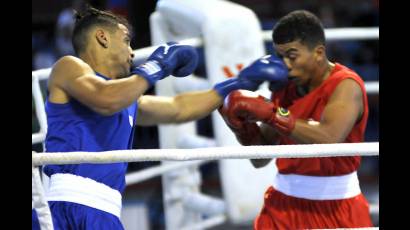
(318, 187)
(85, 191)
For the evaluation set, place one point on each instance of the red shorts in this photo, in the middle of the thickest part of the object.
(281, 211)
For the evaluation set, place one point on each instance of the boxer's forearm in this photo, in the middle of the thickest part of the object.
(196, 105)
(307, 132)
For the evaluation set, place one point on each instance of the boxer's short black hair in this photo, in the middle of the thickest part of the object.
(90, 18)
(299, 25)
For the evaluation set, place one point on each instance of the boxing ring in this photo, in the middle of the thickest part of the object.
(187, 152)
(212, 153)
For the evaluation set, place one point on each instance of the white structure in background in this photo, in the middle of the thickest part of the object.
(231, 35)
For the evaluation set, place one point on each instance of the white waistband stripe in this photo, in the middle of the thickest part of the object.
(318, 187)
(85, 191)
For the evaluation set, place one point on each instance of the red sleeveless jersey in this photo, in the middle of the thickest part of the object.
(310, 107)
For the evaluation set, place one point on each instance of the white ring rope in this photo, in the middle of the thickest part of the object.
(207, 223)
(339, 34)
(139, 176)
(231, 152)
(372, 87)
(331, 34)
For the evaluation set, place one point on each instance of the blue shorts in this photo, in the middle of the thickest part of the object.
(68, 215)
(35, 225)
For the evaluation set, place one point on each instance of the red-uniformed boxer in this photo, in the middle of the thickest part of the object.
(324, 102)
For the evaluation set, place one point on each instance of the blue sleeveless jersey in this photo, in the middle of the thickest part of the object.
(74, 127)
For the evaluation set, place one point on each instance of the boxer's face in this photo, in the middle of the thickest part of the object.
(300, 60)
(120, 50)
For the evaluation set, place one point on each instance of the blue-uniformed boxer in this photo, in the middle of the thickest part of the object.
(95, 99)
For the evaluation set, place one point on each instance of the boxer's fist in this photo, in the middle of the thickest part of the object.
(283, 121)
(250, 107)
(226, 87)
(169, 59)
(243, 108)
(247, 133)
(268, 68)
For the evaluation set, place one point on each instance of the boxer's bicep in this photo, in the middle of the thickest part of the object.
(73, 78)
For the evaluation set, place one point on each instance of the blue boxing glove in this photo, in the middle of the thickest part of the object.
(268, 68)
(225, 87)
(169, 59)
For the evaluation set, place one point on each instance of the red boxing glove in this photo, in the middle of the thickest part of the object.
(283, 121)
(246, 132)
(258, 108)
